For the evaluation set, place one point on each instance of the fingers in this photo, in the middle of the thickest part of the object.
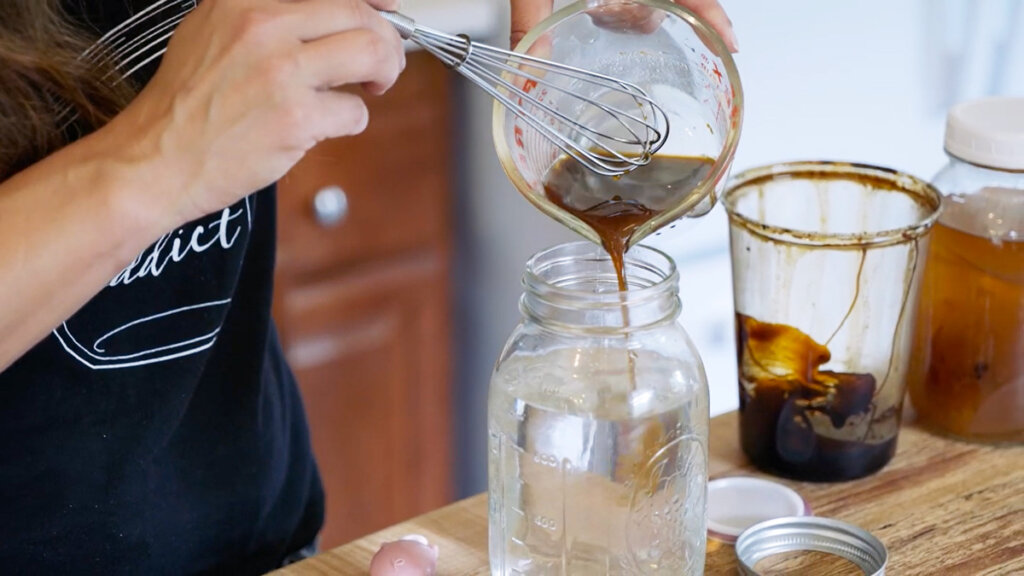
(713, 12)
(525, 15)
(340, 114)
(312, 19)
(344, 42)
(389, 5)
(528, 13)
(360, 56)
(635, 17)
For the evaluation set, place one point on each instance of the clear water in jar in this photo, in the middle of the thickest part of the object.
(598, 465)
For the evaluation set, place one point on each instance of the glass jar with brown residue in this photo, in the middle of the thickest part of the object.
(826, 260)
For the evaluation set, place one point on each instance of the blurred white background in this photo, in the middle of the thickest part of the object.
(868, 82)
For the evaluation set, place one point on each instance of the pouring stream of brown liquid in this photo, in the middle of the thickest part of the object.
(615, 207)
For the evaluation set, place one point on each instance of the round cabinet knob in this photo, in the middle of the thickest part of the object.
(330, 205)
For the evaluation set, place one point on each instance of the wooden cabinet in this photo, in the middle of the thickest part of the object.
(362, 302)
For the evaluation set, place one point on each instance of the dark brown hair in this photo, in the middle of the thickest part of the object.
(41, 74)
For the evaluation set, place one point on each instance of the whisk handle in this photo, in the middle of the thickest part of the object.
(403, 24)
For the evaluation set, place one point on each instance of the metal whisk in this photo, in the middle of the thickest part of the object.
(600, 135)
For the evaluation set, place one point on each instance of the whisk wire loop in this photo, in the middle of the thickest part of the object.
(593, 129)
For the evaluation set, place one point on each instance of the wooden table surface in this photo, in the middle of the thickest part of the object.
(940, 507)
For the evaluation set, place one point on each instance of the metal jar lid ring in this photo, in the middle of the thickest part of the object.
(811, 534)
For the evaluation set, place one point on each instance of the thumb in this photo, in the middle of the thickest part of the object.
(714, 13)
(525, 15)
(389, 5)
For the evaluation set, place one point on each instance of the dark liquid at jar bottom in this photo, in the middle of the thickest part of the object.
(777, 442)
(782, 391)
(615, 207)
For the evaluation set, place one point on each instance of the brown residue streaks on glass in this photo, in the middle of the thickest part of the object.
(856, 296)
(908, 283)
(924, 198)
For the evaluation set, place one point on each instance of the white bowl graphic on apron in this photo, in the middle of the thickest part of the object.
(168, 303)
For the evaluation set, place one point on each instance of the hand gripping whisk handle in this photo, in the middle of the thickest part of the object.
(405, 26)
(624, 126)
(451, 49)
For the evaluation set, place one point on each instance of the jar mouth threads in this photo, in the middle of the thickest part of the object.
(574, 285)
(647, 269)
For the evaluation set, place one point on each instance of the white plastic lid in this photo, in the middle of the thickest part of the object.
(989, 132)
(739, 502)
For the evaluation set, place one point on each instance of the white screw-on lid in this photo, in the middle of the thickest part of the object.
(989, 132)
(736, 503)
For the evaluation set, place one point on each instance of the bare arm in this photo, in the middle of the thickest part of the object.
(67, 225)
(528, 13)
(243, 92)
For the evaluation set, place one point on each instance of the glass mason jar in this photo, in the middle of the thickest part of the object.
(969, 341)
(598, 423)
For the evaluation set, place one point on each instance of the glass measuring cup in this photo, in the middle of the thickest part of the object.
(672, 55)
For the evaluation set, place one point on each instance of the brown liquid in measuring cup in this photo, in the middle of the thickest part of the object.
(782, 391)
(615, 207)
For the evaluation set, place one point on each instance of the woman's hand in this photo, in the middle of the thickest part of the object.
(528, 13)
(246, 88)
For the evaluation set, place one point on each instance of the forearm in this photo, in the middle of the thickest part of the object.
(243, 91)
(68, 225)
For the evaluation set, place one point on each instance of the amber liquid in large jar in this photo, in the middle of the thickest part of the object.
(967, 376)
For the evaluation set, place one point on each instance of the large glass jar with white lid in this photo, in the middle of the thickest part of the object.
(968, 378)
(598, 423)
